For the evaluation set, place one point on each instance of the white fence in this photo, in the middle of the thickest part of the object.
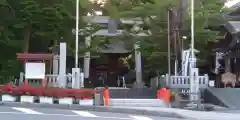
(51, 80)
(184, 81)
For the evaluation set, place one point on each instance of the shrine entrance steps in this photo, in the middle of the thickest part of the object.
(226, 97)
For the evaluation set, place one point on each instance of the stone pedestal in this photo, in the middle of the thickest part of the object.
(76, 78)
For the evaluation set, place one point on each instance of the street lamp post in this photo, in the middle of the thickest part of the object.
(76, 79)
(192, 29)
(194, 80)
(77, 30)
(169, 48)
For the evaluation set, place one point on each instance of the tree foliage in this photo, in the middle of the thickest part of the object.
(154, 47)
(35, 25)
(32, 26)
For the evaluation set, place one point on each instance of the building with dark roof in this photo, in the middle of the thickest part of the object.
(229, 46)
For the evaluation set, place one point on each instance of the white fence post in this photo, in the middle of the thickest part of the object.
(21, 78)
(168, 80)
(194, 84)
(206, 80)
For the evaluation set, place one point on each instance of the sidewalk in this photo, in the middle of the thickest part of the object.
(198, 115)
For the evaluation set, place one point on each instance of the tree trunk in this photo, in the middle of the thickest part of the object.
(26, 39)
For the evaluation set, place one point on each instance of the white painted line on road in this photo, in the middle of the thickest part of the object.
(140, 118)
(84, 114)
(18, 113)
(26, 110)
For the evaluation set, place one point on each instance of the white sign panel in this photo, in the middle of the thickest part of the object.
(34, 70)
(212, 83)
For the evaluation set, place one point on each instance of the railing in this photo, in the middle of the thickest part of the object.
(35, 88)
(51, 80)
(184, 81)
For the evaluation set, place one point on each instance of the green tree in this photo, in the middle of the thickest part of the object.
(32, 21)
(33, 25)
(154, 47)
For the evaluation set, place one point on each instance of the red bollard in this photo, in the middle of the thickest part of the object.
(44, 83)
(9, 86)
(26, 83)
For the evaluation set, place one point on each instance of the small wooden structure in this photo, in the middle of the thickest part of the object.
(27, 58)
(43, 91)
(36, 57)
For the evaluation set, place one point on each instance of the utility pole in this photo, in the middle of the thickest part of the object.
(77, 30)
(181, 20)
(174, 34)
(169, 45)
(192, 31)
(179, 31)
(76, 70)
(174, 38)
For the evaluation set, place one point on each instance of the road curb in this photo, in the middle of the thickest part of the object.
(94, 108)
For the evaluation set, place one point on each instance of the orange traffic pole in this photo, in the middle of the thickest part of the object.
(106, 96)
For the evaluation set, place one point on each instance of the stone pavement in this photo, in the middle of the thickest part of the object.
(196, 115)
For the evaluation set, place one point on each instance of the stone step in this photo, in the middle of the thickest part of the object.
(137, 102)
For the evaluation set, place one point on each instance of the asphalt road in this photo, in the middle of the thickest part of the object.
(17, 113)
